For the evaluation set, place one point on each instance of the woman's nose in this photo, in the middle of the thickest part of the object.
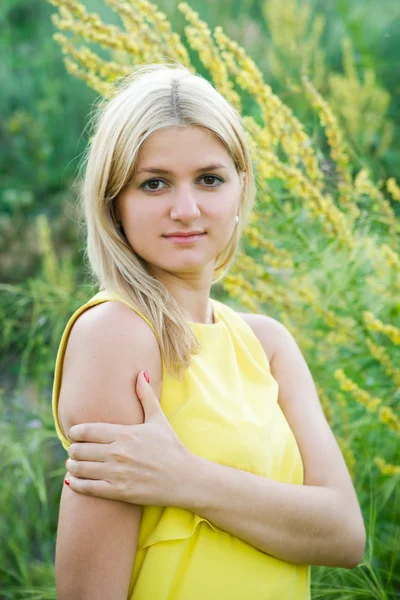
(185, 204)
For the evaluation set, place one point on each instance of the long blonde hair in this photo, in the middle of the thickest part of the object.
(152, 97)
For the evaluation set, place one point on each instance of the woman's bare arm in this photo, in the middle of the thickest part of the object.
(108, 346)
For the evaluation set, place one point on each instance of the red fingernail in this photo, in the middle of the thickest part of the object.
(147, 378)
(66, 481)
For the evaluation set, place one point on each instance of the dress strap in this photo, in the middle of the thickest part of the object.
(239, 328)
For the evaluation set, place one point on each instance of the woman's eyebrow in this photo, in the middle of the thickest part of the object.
(165, 172)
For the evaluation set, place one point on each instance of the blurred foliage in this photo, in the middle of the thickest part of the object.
(321, 253)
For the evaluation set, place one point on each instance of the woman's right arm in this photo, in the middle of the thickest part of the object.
(108, 346)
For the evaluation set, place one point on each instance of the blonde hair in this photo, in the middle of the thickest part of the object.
(152, 97)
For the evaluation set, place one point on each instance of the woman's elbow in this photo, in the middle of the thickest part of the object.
(356, 543)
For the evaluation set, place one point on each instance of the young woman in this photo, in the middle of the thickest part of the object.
(205, 483)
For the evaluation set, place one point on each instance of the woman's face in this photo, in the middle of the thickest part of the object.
(184, 197)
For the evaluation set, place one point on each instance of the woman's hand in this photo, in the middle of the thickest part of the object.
(141, 464)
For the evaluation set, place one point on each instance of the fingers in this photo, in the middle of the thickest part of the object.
(100, 489)
(89, 451)
(150, 402)
(86, 470)
(101, 433)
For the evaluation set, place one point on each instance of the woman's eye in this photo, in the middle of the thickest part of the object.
(212, 177)
(151, 182)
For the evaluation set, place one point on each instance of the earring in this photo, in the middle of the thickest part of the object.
(236, 220)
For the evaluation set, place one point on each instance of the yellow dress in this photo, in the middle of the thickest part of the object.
(226, 410)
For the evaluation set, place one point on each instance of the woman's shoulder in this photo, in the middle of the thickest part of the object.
(107, 305)
(107, 346)
(109, 315)
(113, 327)
(265, 329)
(101, 326)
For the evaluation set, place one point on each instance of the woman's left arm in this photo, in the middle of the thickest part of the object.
(318, 523)
(301, 524)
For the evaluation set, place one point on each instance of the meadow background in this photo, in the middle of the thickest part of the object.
(321, 254)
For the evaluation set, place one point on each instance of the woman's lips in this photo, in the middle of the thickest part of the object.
(183, 240)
